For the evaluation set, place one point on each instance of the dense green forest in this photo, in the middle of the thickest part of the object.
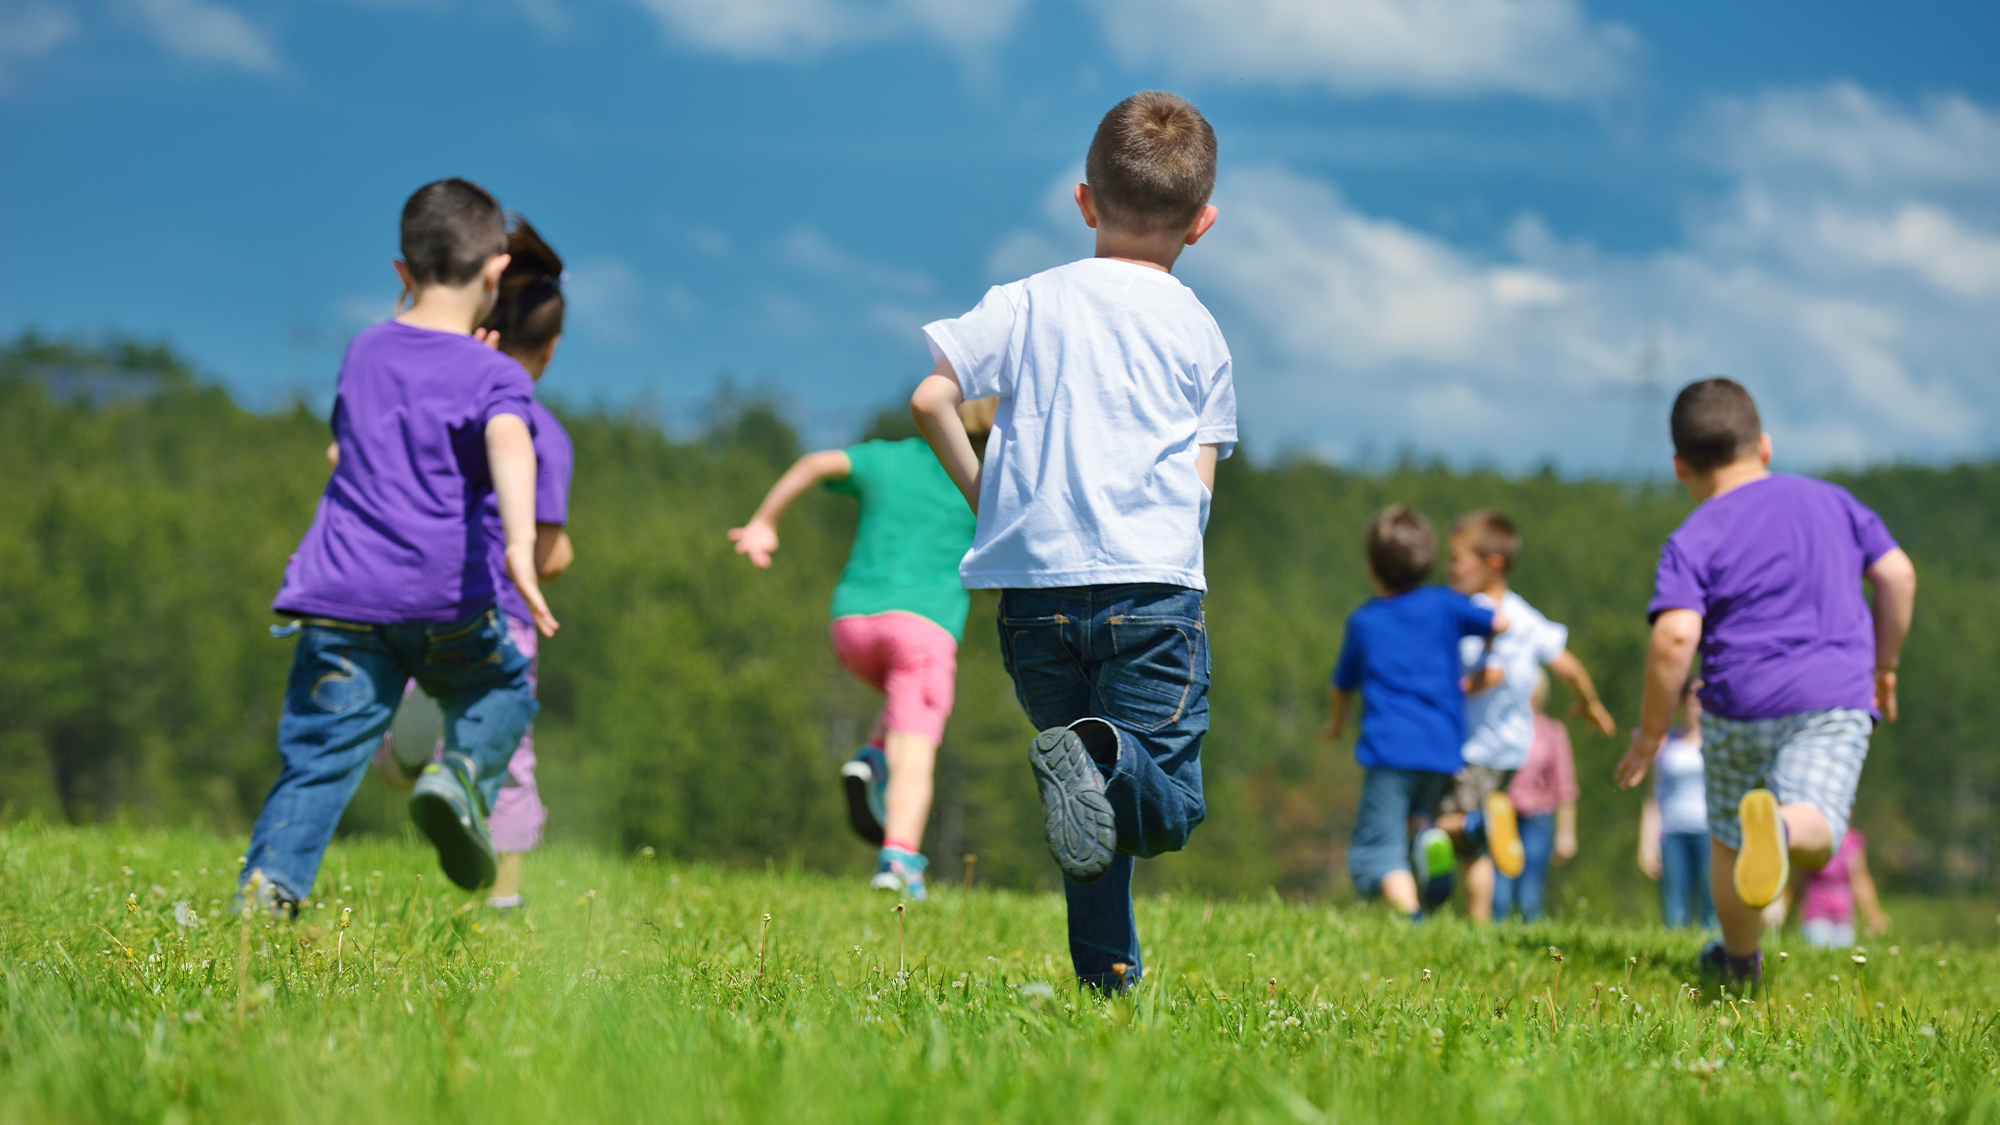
(691, 704)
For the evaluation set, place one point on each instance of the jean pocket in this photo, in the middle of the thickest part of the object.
(338, 684)
(466, 644)
(1158, 668)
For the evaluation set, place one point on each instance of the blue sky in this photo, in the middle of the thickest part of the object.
(1452, 226)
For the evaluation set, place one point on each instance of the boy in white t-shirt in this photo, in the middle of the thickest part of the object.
(1115, 404)
(1499, 705)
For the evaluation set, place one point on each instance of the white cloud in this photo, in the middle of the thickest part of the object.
(784, 28)
(1541, 48)
(33, 28)
(1847, 132)
(1862, 309)
(603, 300)
(205, 32)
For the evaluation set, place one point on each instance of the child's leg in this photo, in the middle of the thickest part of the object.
(1378, 852)
(919, 686)
(343, 689)
(480, 678)
(518, 814)
(1538, 842)
(1479, 889)
(1103, 934)
(1680, 873)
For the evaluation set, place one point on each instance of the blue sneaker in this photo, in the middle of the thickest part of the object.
(902, 872)
(1433, 864)
(1076, 818)
(448, 810)
(866, 779)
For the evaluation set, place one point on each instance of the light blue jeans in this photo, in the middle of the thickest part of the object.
(1135, 656)
(1524, 891)
(347, 679)
(1684, 897)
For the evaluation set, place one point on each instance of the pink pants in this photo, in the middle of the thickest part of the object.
(911, 660)
(518, 815)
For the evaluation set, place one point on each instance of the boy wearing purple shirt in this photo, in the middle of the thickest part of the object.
(1764, 579)
(394, 580)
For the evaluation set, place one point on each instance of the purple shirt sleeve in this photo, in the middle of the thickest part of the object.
(1870, 534)
(1347, 670)
(1676, 585)
(511, 392)
(555, 461)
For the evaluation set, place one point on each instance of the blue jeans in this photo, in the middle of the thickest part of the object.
(1381, 840)
(1684, 879)
(1135, 656)
(1538, 840)
(347, 679)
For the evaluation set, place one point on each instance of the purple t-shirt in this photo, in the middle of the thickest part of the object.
(398, 537)
(554, 460)
(1774, 568)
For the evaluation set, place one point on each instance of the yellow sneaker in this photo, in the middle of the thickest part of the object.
(1764, 862)
(1503, 836)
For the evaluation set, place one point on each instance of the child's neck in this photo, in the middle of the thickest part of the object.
(1728, 478)
(449, 308)
(1155, 251)
(1496, 589)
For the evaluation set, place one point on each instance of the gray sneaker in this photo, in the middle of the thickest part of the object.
(447, 809)
(1076, 817)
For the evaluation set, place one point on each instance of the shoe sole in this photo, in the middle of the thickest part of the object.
(1503, 836)
(1763, 866)
(1076, 817)
(855, 777)
(466, 856)
(1438, 860)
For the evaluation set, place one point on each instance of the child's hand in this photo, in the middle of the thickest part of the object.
(1649, 859)
(1600, 717)
(756, 539)
(1885, 693)
(1638, 759)
(488, 336)
(1331, 731)
(521, 568)
(1565, 848)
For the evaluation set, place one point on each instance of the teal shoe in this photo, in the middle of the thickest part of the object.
(447, 809)
(902, 872)
(866, 779)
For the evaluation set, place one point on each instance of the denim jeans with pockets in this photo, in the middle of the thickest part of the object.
(1135, 656)
(346, 681)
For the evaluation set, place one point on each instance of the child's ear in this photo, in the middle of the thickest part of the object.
(1204, 219)
(1086, 203)
(495, 266)
(1764, 449)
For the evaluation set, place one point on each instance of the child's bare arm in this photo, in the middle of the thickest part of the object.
(1565, 844)
(759, 537)
(934, 407)
(1570, 670)
(1676, 632)
(510, 456)
(1894, 579)
(1649, 838)
(1204, 465)
(1863, 885)
(1337, 702)
(553, 552)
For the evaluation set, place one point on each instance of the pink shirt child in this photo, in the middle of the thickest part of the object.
(1829, 892)
(1548, 777)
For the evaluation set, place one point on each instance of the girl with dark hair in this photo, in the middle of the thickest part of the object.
(526, 324)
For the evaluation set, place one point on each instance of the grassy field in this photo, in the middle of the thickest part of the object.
(634, 991)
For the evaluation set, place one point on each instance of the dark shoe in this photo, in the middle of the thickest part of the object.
(866, 779)
(1076, 817)
(446, 808)
(1715, 962)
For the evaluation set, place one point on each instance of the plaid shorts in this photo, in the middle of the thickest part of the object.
(1812, 758)
(1469, 790)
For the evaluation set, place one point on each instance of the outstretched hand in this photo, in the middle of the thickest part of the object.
(1885, 693)
(1599, 716)
(488, 336)
(1638, 759)
(521, 569)
(756, 539)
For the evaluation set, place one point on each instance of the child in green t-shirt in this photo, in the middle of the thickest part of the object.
(898, 618)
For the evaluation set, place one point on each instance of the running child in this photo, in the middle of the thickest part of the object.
(1544, 793)
(1673, 823)
(393, 580)
(1115, 403)
(898, 618)
(1830, 898)
(1764, 579)
(1477, 812)
(527, 321)
(1401, 652)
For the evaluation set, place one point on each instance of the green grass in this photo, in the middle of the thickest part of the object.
(630, 991)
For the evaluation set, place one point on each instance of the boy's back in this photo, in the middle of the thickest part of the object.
(398, 537)
(1111, 375)
(1774, 569)
(1401, 653)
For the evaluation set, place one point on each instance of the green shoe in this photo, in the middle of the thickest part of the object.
(447, 809)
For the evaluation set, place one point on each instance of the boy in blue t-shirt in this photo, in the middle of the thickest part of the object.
(1401, 652)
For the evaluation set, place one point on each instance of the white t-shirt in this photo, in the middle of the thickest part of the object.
(1500, 722)
(1677, 787)
(1111, 376)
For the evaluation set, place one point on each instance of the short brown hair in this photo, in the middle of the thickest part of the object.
(451, 228)
(1714, 423)
(1491, 534)
(1152, 163)
(1401, 547)
(529, 311)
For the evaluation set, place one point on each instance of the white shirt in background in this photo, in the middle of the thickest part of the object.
(1677, 786)
(1111, 376)
(1500, 721)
